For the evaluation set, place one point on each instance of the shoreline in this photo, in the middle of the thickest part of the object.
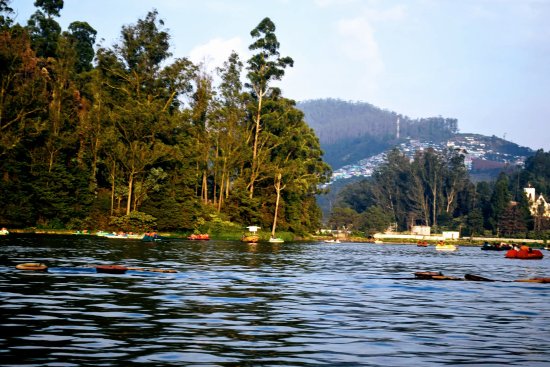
(387, 240)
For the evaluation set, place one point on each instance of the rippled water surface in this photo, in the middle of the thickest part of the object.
(297, 304)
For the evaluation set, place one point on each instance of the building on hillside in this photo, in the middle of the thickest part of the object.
(537, 204)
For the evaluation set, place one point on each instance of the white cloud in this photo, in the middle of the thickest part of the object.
(359, 43)
(216, 51)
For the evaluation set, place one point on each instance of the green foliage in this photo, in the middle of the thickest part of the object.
(342, 217)
(134, 222)
(83, 38)
(374, 220)
(81, 142)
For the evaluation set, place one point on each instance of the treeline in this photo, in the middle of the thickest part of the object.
(434, 189)
(128, 137)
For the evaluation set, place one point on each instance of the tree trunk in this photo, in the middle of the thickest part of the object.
(255, 148)
(278, 190)
(130, 187)
(204, 187)
(113, 189)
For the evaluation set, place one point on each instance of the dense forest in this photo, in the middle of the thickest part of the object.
(129, 138)
(435, 189)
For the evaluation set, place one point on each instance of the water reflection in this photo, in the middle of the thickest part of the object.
(233, 304)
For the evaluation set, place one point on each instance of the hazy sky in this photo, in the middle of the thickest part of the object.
(484, 62)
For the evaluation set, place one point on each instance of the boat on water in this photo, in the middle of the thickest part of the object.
(524, 253)
(120, 235)
(4, 232)
(276, 240)
(496, 246)
(333, 241)
(199, 237)
(152, 237)
(422, 244)
(442, 246)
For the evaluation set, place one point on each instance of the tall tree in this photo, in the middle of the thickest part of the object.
(264, 67)
(229, 126)
(82, 36)
(143, 95)
(500, 200)
(44, 29)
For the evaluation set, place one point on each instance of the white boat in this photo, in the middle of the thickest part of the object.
(276, 240)
(332, 241)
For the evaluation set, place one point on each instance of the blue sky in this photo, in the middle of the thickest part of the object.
(484, 62)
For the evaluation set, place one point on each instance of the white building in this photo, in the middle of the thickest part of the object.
(537, 204)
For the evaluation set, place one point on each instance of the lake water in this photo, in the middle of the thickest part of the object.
(291, 304)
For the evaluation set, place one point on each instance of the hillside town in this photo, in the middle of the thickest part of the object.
(478, 154)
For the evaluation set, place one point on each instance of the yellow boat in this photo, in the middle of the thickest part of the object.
(441, 246)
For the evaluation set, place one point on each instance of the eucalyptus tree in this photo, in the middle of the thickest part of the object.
(44, 29)
(229, 125)
(455, 178)
(23, 93)
(500, 200)
(201, 114)
(432, 172)
(264, 67)
(293, 166)
(6, 14)
(391, 186)
(82, 37)
(144, 96)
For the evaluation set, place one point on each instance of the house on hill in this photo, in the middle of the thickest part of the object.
(537, 205)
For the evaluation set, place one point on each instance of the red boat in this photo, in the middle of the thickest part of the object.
(201, 236)
(524, 254)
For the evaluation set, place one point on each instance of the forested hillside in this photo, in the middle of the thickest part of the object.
(350, 131)
(126, 137)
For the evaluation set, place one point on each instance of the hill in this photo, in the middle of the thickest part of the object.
(351, 131)
(355, 135)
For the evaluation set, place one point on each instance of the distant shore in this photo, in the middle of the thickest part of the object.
(387, 239)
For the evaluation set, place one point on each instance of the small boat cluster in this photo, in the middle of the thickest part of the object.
(437, 275)
(496, 246)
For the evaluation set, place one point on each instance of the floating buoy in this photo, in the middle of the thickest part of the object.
(427, 274)
(32, 266)
(445, 277)
(534, 280)
(155, 270)
(111, 269)
(477, 278)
